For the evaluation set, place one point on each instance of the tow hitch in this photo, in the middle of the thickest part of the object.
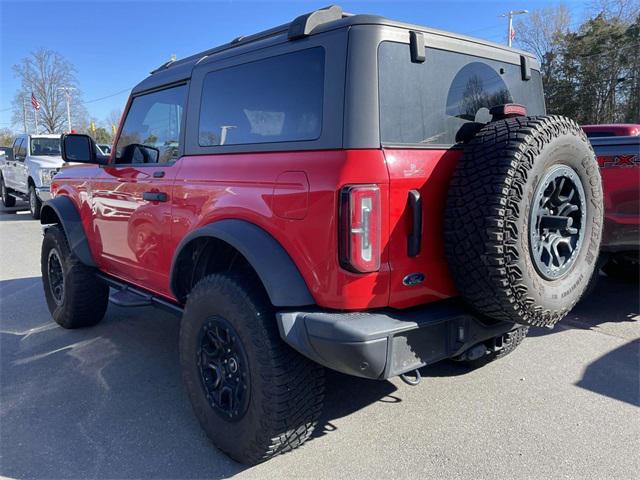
(411, 380)
(485, 348)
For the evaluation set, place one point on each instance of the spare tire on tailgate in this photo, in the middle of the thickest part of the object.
(524, 219)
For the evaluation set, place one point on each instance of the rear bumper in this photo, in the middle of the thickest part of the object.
(385, 343)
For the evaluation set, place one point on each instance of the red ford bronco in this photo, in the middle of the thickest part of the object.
(342, 191)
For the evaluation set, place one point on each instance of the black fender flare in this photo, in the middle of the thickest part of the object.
(275, 268)
(62, 209)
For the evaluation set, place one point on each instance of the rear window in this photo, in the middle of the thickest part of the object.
(278, 99)
(427, 103)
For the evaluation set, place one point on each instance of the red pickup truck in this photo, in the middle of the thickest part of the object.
(617, 148)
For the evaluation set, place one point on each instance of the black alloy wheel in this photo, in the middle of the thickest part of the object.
(222, 362)
(556, 225)
(56, 276)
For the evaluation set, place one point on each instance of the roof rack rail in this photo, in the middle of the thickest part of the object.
(305, 24)
(301, 27)
(163, 66)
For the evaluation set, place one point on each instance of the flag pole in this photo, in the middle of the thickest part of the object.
(35, 116)
(510, 31)
(24, 115)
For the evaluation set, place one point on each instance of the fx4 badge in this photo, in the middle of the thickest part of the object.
(608, 161)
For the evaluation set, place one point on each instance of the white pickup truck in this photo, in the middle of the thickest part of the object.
(27, 173)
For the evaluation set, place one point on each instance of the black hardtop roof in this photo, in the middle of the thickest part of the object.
(322, 20)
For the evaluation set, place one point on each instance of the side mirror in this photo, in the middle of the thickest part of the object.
(138, 153)
(81, 149)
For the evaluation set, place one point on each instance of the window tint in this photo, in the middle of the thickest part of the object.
(152, 129)
(427, 103)
(278, 99)
(19, 149)
(45, 146)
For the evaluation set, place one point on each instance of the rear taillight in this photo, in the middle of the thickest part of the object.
(360, 224)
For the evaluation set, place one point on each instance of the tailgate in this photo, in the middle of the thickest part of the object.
(419, 272)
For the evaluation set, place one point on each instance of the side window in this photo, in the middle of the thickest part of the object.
(153, 127)
(278, 99)
(19, 149)
(427, 103)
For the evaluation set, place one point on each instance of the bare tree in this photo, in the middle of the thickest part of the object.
(6, 137)
(539, 32)
(113, 118)
(620, 9)
(44, 72)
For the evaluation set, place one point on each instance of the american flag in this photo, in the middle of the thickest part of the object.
(35, 102)
(512, 33)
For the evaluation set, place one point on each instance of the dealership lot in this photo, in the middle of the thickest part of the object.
(108, 402)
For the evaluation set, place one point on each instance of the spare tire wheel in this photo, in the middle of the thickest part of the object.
(523, 220)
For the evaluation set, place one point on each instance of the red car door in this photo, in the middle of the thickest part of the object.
(132, 197)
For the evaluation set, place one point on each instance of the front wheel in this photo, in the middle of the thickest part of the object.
(75, 296)
(35, 204)
(254, 396)
(7, 200)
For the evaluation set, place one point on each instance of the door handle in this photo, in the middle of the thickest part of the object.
(415, 237)
(155, 196)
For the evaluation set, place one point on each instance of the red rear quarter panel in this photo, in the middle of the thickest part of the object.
(209, 188)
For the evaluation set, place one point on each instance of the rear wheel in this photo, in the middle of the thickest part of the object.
(75, 296)
(254, 396)
(7, 200)
(35, 205)
(524, 219)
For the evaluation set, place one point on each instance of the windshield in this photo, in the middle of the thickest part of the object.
(45, 146)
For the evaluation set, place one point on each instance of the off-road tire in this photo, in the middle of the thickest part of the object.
(488, 211)
(511, 341)
(286, 390)
(7, 200)
(35, 204)
(84, 297)
(595, 278)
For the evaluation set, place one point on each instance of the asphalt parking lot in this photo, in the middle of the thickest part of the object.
(108, 402)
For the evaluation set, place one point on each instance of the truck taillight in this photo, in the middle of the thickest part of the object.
(360, 224)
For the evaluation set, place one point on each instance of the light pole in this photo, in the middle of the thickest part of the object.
(510, 14)
(67, 92)
(24, 115)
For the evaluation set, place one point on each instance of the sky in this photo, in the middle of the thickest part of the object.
(115, 44)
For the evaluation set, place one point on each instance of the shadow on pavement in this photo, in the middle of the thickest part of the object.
(103, 402)
(18, 213)
(346, 394)
(596, 310)
(108, 401)
(615, 374)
